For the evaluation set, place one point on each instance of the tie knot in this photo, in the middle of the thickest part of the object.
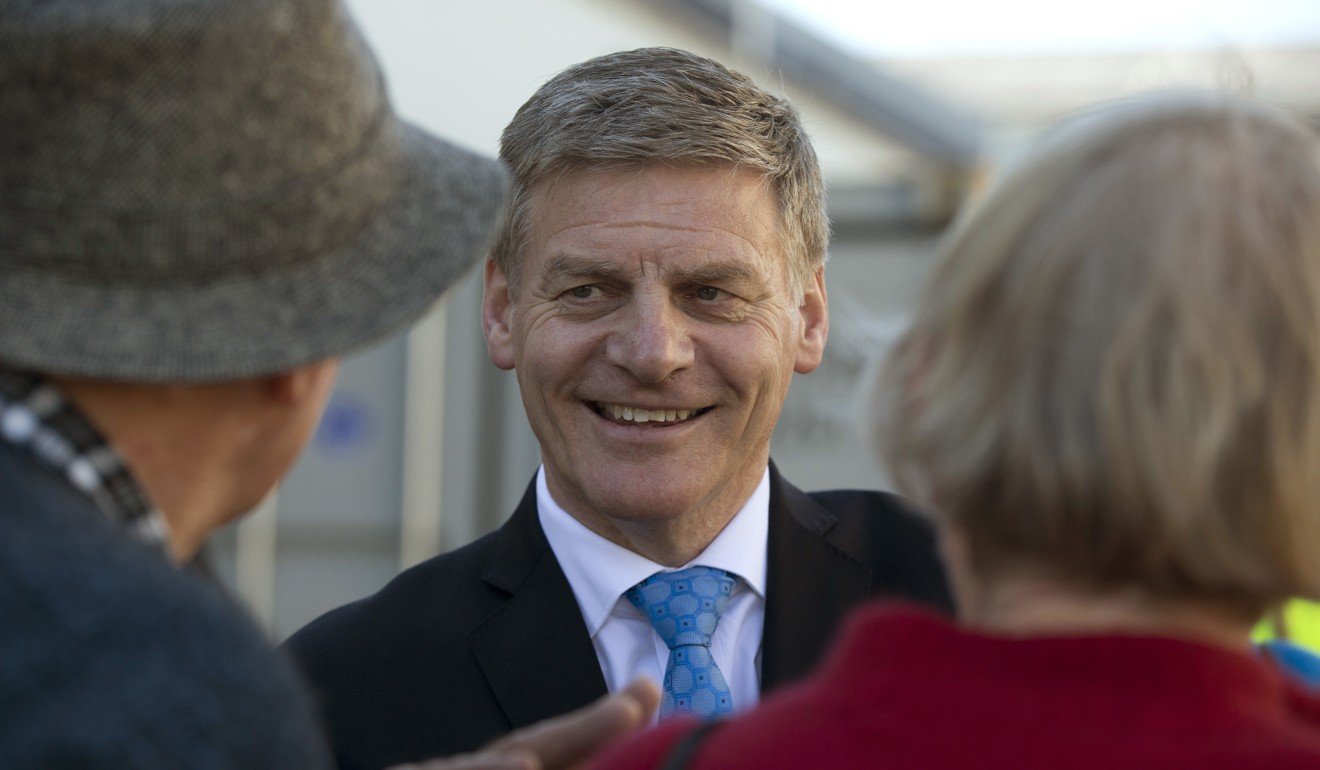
(684, 606)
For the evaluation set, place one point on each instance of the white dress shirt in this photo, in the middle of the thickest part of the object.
(600, 572)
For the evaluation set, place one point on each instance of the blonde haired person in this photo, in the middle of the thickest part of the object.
(1109, 400)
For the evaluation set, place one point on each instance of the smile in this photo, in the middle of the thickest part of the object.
(638, 415)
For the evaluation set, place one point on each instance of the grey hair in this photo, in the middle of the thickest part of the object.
(662, 105)
(1114, 373)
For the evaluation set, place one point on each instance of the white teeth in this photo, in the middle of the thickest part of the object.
(639, 415)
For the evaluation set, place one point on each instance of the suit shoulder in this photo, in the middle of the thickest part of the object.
(448, 586)
(139, 658)
(395, 673)
(895, 540)
(873, 510)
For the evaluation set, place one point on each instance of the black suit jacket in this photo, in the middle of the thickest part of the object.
(458, 650)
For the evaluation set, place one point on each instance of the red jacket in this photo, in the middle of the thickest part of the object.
(906, 689)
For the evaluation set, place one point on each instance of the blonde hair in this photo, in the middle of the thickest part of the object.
(1114, 372)
(662, 105)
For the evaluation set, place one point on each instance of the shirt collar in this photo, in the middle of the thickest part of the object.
(35, 416)
(600, 571)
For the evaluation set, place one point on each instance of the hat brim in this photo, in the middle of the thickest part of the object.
(440, 220)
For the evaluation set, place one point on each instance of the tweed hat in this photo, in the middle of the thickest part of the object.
(197, 190)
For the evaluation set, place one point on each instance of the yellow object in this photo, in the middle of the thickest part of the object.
(1301, 625)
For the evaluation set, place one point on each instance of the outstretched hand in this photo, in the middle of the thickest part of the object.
(564, 742)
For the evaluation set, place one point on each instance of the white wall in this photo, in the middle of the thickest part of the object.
(463, 69)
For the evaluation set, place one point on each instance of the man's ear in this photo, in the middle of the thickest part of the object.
(815, 311)
(496, 319)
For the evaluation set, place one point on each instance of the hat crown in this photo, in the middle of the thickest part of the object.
(175, 141)
(201, 190)
(121, 104)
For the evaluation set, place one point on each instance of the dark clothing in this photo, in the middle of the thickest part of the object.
(111, 658)
(904, 688)
(464, 647)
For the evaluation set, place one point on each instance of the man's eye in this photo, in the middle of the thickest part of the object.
(709, 293)
(588, 291)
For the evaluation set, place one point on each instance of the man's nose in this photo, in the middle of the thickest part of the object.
(652, 340)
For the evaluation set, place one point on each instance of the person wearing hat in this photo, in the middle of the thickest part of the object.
(202, 207)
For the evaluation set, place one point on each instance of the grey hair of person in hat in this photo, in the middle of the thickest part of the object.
(202, 206)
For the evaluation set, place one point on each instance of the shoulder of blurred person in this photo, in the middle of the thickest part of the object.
(111, 657)
(906, 688)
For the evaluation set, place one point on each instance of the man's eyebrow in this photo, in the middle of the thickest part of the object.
(578, 266)
(719, 272)
(585, 267)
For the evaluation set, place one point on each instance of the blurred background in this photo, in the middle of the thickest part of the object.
(912, 107)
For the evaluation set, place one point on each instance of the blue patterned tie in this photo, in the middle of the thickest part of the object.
(683, 608)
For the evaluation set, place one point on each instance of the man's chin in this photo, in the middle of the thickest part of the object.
(657, 503)
(644, 494)
(643, 505)
(662, 508)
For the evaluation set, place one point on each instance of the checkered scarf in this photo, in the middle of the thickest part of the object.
(34, 415)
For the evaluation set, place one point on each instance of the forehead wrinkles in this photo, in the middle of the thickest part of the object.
(745, 200)
(662, 242)
(692, 212)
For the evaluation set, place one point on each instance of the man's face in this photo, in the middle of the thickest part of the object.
(654, 335)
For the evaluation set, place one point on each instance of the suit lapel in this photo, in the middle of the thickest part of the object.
(810, 585)
(537, 655)
(535, 651)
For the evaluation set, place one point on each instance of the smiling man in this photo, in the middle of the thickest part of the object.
(658, 283)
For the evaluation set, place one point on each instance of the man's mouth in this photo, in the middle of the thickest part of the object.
(624, 414)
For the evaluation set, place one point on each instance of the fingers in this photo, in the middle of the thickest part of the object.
(572, 738)
(564, 741)
(486, 760)
(647, 694)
